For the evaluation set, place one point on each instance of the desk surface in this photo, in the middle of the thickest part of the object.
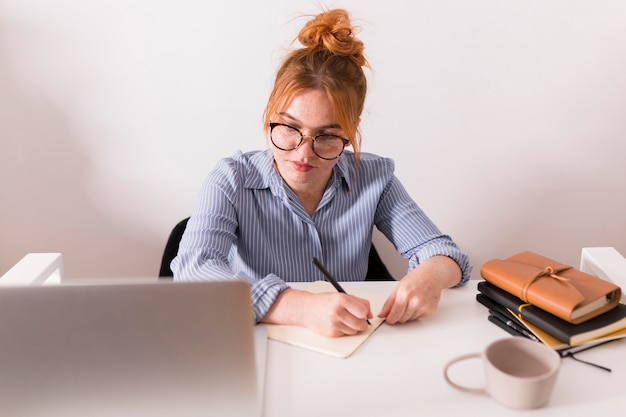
(398, 371)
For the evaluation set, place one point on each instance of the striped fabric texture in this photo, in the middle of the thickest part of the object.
(248, 224)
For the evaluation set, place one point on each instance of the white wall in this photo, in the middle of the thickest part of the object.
(505, 118)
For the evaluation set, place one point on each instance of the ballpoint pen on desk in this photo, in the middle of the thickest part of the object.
(331, 279)
(517, 327)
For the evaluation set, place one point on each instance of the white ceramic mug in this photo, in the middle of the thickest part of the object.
(519, 373)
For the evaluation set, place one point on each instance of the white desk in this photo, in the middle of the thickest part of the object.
(399, 371)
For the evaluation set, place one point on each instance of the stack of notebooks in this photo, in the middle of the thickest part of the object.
(536, 297)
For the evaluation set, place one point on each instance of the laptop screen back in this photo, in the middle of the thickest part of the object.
(150, 349)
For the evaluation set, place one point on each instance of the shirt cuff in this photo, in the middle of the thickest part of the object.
(263, 293)
(451, 251)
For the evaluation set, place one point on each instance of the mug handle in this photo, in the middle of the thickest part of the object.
(454, 384)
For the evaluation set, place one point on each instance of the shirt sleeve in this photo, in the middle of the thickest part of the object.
(415, 236)
(204, 249)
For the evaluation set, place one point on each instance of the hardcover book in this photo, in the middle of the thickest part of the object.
(600, 326)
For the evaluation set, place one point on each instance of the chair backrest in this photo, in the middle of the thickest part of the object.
(376, 269)
(171, 249)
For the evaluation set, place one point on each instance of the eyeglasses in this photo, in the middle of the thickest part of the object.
(288, 138)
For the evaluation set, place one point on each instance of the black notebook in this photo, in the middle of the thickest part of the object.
(572, 334)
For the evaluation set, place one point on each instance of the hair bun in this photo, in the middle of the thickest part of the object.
(332, 30)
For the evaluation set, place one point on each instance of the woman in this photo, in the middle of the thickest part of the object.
(262, 216)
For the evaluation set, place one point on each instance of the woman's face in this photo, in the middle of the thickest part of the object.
(310, 112)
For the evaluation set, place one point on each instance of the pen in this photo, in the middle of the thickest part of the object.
(331, 279)
(498, 322)
(517, 327)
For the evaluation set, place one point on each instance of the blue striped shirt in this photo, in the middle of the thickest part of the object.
(249, 225)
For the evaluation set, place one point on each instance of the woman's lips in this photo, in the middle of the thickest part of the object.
(301, 166)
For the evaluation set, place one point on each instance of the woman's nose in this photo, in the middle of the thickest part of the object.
(306, 147)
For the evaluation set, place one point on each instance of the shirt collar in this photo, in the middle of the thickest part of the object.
(345, 170)
(261, 173)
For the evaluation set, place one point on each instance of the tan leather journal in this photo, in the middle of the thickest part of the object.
(559, 289)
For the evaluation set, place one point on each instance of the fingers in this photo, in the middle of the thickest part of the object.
(398, 310)
(359, 308)
(418, 293)
(348, 315)
(357, 312)
(384, 312)
(403, 306)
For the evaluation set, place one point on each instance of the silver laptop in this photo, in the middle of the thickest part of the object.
(124, 349)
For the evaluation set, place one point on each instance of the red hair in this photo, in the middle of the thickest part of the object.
(331, 60)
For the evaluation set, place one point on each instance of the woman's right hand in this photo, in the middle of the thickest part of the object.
(330, 314)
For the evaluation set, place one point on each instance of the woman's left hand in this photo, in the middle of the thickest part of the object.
(418, 293)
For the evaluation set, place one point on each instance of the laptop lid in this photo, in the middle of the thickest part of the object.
(123, 349)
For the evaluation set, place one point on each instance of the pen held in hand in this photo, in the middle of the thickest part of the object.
(331, 279)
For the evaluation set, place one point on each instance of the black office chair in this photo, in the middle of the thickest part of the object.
(376, 269)
(171, 249)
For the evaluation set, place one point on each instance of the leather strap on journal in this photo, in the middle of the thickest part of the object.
(548, 272)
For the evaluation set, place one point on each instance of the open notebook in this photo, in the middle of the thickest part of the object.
(124, 349)
(341, 347)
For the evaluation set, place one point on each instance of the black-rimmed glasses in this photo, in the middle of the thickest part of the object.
(289, 138)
